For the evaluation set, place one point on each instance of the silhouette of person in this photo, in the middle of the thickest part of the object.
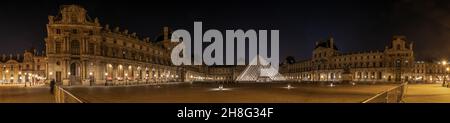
(52, 86)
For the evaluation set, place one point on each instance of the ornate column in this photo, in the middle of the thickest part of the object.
(66, 80)
(100, 70)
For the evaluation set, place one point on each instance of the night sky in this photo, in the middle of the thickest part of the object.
(361, 25)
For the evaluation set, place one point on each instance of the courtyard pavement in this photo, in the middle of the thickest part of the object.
(233, 93)
(427, 93)
(20, 94)
(242, 93)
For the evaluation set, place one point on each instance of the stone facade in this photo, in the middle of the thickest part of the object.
(81, 51)
(29, 67)
(396, 63)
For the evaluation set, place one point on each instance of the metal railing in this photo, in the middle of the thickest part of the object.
(393, 95)
(64, 96)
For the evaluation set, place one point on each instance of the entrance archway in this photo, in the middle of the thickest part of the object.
(75, 73)
(75, 69)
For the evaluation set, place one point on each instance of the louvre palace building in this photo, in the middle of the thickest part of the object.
(396, 63)
(80, 50)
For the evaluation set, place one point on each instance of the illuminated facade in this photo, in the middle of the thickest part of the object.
(28, 67)
(395, 63)
(81, 51)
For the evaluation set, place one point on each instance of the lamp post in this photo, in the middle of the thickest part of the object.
(90, 78)
(69, 78)
(445, 76)
(106, 78)
(30, 77)
(444, 63)
(126, 78)
(7, 71)
(146, 77)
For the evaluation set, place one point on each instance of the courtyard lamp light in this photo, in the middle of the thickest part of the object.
(446, 74)
(444, 63)
(90, 78)
(126, 78)
(106, 78)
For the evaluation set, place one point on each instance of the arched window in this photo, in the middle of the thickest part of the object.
(398, 46)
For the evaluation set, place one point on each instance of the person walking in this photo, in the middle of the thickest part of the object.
(52, 86)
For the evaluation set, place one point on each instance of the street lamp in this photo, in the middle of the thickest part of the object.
(126, 78)
(146, 78)
(106, 78)
(90, 78)
(444, 63)
(445, 76)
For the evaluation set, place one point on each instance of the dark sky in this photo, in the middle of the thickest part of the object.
(361, 25)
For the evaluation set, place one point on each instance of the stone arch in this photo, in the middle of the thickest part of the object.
(75, 68)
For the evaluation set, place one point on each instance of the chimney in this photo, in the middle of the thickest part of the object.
(117, 29)
(107, 27)
(166, 33)
(3, 57)
(51, 19)
(411, 46)
(18, 56)
(317, 43)
(10, 56)
(96, 21)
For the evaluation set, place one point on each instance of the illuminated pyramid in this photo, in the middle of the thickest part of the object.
(260, 71)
